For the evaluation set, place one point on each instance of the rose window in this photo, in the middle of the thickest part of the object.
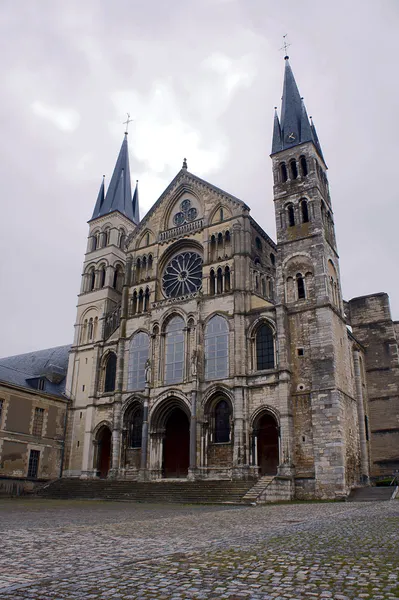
(186, 214)
(182, 275)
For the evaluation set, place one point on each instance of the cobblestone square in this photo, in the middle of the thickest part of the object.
(64, 550)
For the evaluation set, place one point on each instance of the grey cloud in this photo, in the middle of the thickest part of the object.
(78, 55)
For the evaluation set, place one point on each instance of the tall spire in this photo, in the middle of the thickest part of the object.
(294, 127)
(119, 193)
(135, 204)
(100, 200)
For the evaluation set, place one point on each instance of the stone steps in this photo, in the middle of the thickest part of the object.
(253, 494)
(190, 492)
(371, 494)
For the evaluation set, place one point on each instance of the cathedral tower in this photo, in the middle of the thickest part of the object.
(115, 217)
(317, 351)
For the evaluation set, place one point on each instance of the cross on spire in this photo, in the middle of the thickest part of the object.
(128, 120)
(285, 46)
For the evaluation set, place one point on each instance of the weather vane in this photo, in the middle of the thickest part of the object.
(128, 120)
(285, 44)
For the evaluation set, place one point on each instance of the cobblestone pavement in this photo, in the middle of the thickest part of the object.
(59, 550)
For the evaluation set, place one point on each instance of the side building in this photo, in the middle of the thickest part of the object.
(33, 412)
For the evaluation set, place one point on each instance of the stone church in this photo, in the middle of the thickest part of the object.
(205, 350)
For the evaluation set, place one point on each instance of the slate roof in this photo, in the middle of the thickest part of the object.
(25, 370)
(294, 127)
(119, 192)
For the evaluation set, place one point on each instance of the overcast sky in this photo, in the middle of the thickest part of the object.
(200, 78)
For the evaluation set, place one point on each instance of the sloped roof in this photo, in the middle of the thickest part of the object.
(50, 364)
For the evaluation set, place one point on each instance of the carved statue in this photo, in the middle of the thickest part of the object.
(194, 363)
(147, 371)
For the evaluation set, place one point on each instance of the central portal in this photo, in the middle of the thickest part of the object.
(176, 449)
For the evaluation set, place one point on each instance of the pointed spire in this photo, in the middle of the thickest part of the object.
(315, 138)
(119, 193)
(294, 127)
(100, 200)
(135, 204)
(277, 143)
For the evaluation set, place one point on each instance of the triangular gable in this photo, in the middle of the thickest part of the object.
(183, 176)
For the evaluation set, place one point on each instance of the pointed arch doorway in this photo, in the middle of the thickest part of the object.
(103, 440)
(267, 444)
(176, 446)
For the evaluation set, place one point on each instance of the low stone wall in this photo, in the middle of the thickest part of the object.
(280, 489)
(11, 487)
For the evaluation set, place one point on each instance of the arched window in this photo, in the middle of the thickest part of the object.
(294, 169)
(83, 332)
(212, 283)
(304, 166)
(134, 426)
(217, 348)
(264, 348)
(106, 238)
(102, 276)
(291, 215)
(147, 300)
(305, 211)
(95, 327)
(221, 214)
(94, 242)
(258, 243)
(271, 289)
(227, 279)
(134, 303)
(140, 303)
(92, 279)
(263, 286)
(174, 350)
(256, 282)
(150, 261)
(138, 355)
(272, 259)
(300, 286)
(110, 373)
(122, 238)
(220, 245)
(90, 330)
(222, 422)
(219, 282)
(117, 283)
(147, 239)
(213, 248)
(284, 174)
(138, 270)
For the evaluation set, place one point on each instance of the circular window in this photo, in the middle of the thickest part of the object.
(179, 218)
(182, 275)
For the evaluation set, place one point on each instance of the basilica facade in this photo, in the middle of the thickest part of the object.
(204, 350)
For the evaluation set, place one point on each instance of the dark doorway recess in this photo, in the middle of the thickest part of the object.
(176, 453)
(103, 452)
(268, 445)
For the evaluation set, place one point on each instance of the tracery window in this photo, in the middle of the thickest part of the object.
(138, 355)
(134, 425)
(174, 350)
(182, 275)
(217, 348)
(222, 422)
(110, 373)
(264, 348)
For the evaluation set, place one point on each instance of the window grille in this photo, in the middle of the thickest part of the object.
(217, 348)
(264, 348)
(38, 419)
(174, 350)
(33, 466)
(138, 355)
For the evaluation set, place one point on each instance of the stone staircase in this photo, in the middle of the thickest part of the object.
(187, 492)
(372, 494)
(260, 486)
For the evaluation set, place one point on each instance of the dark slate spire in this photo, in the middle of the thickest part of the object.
(135, 204)
(294, 127)
(315, 138)
(119, 193)
(100, 200)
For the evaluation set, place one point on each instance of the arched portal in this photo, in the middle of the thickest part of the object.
(267, 435)
(176, 447)
(103, 451)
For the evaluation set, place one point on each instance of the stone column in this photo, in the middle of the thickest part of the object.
(144, 436)
(88, 468)
(193, 435)
(365, 475)
(238, 450)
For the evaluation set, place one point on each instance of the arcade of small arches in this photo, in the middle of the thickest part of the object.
(296, 214)
(262, 283)
(220, 246)
(291, 171)
(162, 444)
(89, 330)
(176, 363)
(105, 237)
(104, 275)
